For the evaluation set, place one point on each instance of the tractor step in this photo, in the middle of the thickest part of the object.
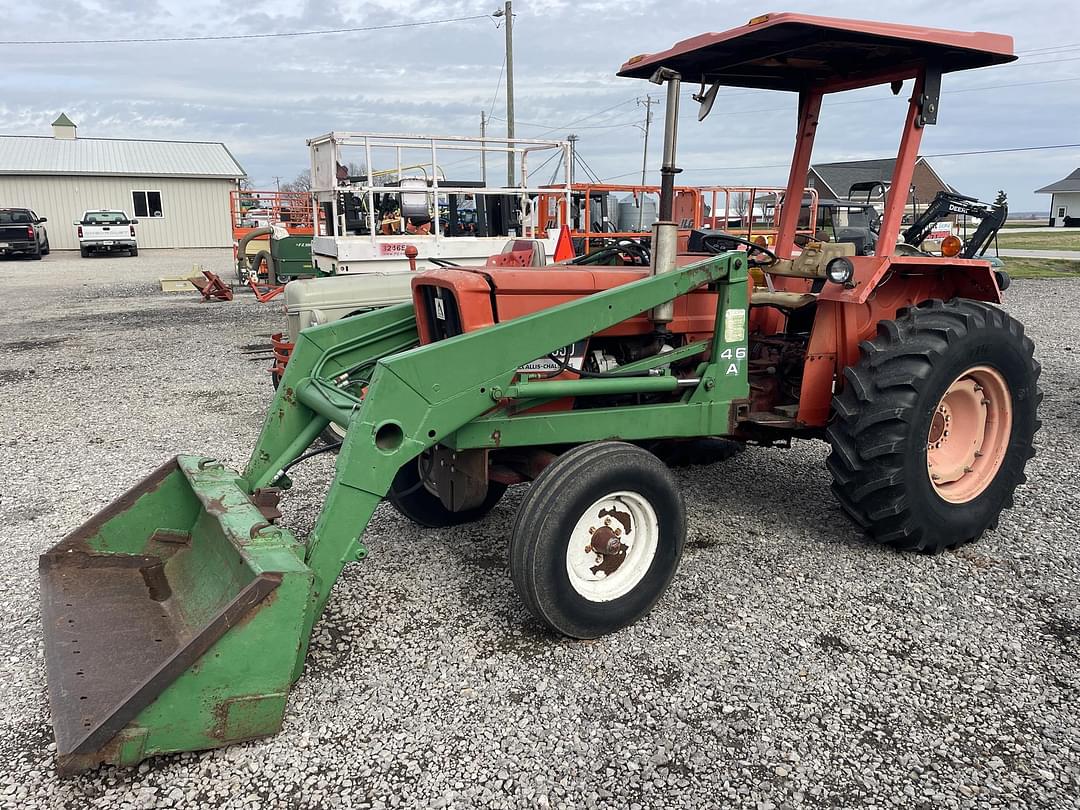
(771, 419)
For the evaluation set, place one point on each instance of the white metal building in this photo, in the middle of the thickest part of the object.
(1064, 201)
(178, 190)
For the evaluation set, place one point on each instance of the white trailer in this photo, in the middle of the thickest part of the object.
(374, 195)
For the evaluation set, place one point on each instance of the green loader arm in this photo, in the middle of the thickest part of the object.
(177, 618)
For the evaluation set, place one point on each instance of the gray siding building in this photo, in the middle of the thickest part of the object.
(178, 190)
(1064, 201)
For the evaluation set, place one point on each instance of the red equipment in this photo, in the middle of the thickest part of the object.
(813, 306)
(264, 294)
(212, 287)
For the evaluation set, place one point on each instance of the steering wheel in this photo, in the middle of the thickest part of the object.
(717, 244)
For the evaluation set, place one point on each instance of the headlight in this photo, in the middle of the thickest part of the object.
(840, 270)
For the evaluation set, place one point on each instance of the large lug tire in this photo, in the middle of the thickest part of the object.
(411, 497)
(934, 425)
(597, 539)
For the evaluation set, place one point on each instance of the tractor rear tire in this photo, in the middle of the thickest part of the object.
(597, 539)
(934, 425)
(414, 500)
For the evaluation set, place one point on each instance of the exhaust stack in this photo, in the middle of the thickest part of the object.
(665, 237)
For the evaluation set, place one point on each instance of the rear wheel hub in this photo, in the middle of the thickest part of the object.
(969, 434)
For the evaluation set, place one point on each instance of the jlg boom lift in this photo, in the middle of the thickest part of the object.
(179, 616)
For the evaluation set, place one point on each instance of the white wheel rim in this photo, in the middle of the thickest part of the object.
(624, 523)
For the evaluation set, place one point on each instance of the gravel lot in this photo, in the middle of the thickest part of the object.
(790, 665)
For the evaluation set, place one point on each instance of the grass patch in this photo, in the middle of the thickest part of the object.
(1041, 268)
(1026, 223)
(1052, 239)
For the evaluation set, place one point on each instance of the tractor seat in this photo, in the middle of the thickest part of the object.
(781, 300)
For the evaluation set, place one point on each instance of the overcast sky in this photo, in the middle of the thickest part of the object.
(263, 98)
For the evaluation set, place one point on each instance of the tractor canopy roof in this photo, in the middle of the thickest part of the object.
(798, 51)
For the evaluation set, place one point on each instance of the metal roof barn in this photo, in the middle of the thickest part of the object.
(178, 190)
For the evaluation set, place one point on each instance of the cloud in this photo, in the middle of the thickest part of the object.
(265, 97)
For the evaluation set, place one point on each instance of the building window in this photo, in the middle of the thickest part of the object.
(147, 204)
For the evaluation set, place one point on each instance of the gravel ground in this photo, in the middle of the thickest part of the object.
(790, 664)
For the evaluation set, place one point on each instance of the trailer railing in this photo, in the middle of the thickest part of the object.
(374, 168)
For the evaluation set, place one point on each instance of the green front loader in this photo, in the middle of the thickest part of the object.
(178, 617)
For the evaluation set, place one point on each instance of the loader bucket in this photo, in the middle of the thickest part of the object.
(174, 620)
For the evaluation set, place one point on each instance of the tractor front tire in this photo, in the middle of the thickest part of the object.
(934, 425)
(597, 539)
(410, 496)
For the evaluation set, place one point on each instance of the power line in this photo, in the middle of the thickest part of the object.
(832, 103)
(1013, 149)
(1067, 47)
(587, 117)
(498, 84)
(220, 37)
(934, 155)
(588, 169)
(592, 126)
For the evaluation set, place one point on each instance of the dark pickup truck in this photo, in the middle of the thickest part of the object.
(22, 231)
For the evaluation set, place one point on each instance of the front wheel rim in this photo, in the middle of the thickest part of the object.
(969, 434)
(612, 546)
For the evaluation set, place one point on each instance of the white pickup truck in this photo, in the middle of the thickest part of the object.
(107, 230)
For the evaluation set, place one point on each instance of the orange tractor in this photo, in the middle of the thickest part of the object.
(926, 391)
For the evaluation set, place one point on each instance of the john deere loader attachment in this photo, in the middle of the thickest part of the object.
(177, 618)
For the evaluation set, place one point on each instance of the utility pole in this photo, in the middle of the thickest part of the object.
(277, 182)
(573, 154)
(507, 13)
(483, 147)
(647, 104)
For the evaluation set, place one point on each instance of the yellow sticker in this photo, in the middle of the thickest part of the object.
(734, 326)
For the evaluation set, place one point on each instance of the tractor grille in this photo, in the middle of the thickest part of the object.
(441, 313)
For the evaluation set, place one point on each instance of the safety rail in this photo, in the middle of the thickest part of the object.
(334, 175)
(249, 210)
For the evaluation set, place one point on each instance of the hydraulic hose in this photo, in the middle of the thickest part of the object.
(242, 265)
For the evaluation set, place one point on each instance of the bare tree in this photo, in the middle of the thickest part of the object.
(302, 182)
(739, 202)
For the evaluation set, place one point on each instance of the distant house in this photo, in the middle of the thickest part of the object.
(1064, 201)
(178, 190)
(834, 180)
